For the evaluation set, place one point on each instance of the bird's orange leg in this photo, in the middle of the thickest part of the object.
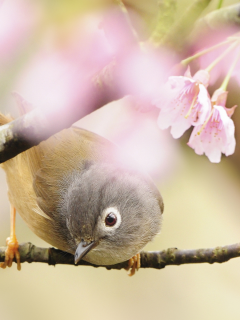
(12, 244)
(134, 264)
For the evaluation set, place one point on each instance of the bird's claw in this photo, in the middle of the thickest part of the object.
(11, 253)
(134, 264)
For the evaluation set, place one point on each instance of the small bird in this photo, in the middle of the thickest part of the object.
(75, 192)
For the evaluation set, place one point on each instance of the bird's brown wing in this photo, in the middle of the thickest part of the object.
(35, 177)
(38, 177)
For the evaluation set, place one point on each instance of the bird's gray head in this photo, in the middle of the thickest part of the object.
(112, 213)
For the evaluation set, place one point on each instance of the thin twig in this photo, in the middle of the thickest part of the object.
(157, 260)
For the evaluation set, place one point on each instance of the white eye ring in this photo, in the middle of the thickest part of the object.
(114, 211)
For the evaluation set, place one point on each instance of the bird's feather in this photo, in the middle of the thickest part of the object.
(38, 177)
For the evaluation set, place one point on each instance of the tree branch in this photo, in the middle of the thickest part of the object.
(157, 260)
(175, 37)
(38, 125)
(215, 20)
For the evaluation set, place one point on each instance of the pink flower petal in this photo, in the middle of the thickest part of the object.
(202, 109)
(217, 136)
(203, 77)
(179, 128)
(219, 97)
(188, 73)
(230, 111)
(183, 102)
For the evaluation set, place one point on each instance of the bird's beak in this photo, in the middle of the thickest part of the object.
(82, 249)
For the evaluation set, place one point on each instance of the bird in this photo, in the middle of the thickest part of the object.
(75, 192)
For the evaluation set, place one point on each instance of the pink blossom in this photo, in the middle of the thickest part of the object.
(184, 102)
(143, 72)
(216, 136)
(138, 136)
(56, 75)
(219, 98)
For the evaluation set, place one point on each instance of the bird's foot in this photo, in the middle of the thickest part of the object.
(11, 253)
(134, 264)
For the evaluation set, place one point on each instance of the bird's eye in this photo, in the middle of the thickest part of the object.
(111, 219)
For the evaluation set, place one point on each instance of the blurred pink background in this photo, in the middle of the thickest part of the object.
(43, 46)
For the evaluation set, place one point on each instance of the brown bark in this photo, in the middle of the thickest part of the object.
(157, 260)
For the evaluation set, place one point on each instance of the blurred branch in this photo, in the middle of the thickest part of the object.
(127, 21)
(165, 19)
(39, 124)
(174, 38)
(220, 3)
(215, 20)
(157, 260)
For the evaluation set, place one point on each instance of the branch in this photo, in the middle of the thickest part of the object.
(38, 125)
(175, 38)
(165, 20)
(215, 20)
(157, 260)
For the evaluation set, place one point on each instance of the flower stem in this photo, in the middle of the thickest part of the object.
(216, 61)
(220, 4)
(200, 53)
(228, 76)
